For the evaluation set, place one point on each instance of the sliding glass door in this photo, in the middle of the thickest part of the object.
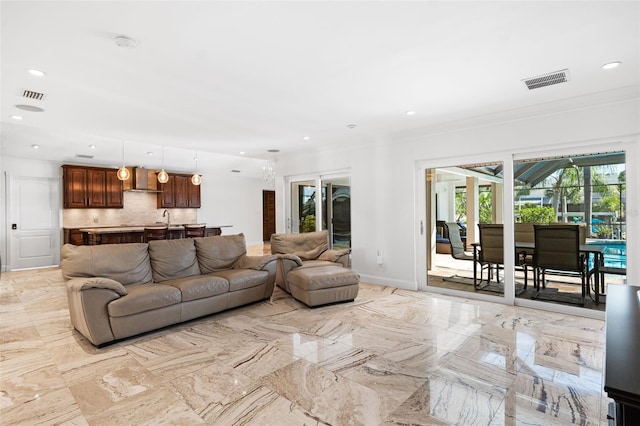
(587, 191)
(460, 199)
(336, 215)
(322, 202)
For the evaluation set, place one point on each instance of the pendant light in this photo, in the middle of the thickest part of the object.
(163, 177)
(196, 179)
(123, 172)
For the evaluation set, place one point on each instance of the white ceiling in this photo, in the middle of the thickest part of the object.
(224, 77)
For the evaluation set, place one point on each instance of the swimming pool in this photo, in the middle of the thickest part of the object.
(615, 252)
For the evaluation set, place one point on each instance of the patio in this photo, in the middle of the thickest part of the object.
(458, 275)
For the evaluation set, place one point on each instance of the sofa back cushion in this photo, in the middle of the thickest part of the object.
(125, 263)
(307, 246)
(173, 259)
(220, 252)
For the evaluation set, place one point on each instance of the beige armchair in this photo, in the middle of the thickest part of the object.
(306, 250)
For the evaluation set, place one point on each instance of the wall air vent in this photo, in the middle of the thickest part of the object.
(30, 94)
(84, 156)
(548, 79)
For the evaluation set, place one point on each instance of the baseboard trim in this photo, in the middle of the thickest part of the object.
(372, 279)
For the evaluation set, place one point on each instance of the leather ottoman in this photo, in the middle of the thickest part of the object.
(323, 284)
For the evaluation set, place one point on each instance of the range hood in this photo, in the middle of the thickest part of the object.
(141, 180)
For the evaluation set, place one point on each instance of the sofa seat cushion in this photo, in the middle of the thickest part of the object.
(199, 286)
(144, 297)
(240, 279)
(311, 279)
(317, 263)
(172, 259)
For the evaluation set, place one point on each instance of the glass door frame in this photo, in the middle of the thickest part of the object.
(291, 222)
(423, 226)
(631, 155)
(630, 146)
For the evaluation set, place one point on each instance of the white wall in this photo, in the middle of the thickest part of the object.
(383, 175)
(233, 200)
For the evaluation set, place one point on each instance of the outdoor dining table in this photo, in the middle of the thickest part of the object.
(589, 249)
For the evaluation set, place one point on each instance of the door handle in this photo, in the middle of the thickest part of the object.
(14, 226)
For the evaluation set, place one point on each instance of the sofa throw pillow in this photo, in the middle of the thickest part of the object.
(173, 259)
(124, 263)
(220, 252)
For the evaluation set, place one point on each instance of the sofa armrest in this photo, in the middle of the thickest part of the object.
(79, 284)
(254, 262)
(89, 299)
(333, 255)
(291, 259)
(286, 262)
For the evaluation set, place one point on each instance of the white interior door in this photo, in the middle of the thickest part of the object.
(34, 222)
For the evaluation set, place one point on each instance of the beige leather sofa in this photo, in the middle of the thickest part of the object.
(312, 273)
(305, 250)
(121, 290)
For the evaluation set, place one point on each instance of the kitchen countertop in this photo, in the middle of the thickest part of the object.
(137, 228)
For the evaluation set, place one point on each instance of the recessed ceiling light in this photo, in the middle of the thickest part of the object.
(611, 65)
(306, 138)
(35, 146)
(125, 42)
(411, 113)
(241, 152)
(29, 108)
(36, 73)
(149, 153)
(92, 146)
(16, 117)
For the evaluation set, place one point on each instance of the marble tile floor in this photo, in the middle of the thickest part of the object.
(391, 357)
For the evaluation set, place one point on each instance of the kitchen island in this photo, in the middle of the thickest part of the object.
(127, 233)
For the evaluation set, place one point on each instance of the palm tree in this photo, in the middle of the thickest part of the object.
(564, 187)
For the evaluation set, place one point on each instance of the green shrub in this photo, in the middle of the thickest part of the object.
(530, 213)
(309, 223)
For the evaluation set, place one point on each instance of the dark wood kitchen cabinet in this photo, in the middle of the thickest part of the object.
(179, 193)
(91, 187)
(114, 190)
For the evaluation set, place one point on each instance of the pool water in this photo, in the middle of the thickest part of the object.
(615, 252)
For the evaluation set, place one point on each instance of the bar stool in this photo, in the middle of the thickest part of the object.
(155, 234)
(192, 231)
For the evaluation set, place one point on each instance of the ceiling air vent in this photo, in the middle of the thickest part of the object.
(30, 94)
(548, 79)
(84, 156)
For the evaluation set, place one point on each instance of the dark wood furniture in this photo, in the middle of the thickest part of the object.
(622, 365)
(121, 235)
(91, 187)
(150, 234)
(194, 231)
(73, 236)
(212, 232)
(178, 193)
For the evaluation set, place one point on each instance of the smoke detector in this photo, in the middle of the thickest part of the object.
(125, 42)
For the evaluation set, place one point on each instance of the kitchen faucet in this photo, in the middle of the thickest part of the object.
(166, 214)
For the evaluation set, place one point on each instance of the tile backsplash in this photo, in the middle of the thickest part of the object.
(139, 208)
